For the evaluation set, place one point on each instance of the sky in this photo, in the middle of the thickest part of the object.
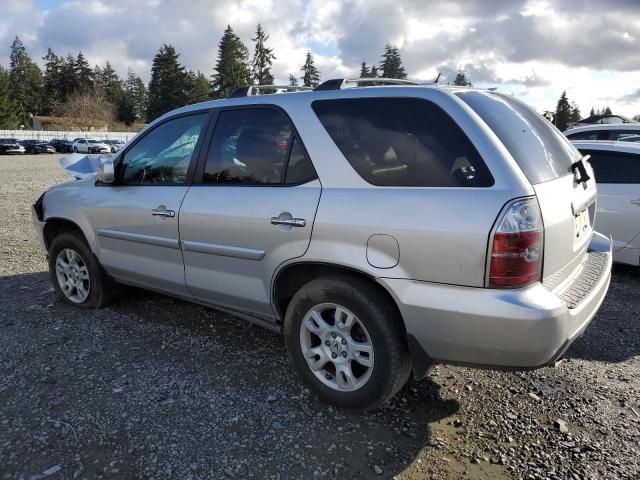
(533, 49)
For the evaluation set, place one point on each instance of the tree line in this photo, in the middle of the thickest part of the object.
(67, 85)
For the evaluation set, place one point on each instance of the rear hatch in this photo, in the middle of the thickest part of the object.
(564, 183)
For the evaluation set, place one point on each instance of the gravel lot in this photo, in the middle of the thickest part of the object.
(156, 387)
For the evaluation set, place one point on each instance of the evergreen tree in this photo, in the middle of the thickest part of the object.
(262, 59)
(109, 84)
(168, 88)
(574, 115)
(607, 111)
(391, 63)
(27, 84)
(68, 79)
(364, 71)
(232, 67)
(293, 81)
(83, 73)
(592, 112)
(8, 117)
(374, 72)
(200, 90)
(462, 80)
(311, 77)
(136, 94)
(52, 80)
(563, 112)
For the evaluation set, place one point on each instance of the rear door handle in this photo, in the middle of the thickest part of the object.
(163, 212)
(636, 202)
(292, 222)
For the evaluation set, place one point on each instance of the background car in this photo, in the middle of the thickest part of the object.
(88, 145)
(37, 146)
(617, 171)
(116, 145)
(602, 119)
(628, 132)
(10, 146)
(61, 145)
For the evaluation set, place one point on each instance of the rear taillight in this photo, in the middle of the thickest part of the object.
(516, 251)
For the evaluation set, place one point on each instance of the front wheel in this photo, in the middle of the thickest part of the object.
(347, 342)
(76, 275)
(75, 149)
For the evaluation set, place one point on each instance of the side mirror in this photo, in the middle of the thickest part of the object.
(106, 170)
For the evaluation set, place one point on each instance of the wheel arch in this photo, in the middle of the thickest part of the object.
(57, 225)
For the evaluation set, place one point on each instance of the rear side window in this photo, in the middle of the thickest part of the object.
(405, 142)
(541, 151)
(625, 135)
(252, 146)
(588, 135)
(614, 167)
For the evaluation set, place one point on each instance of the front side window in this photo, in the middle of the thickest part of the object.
(625, 135)
(614, 167)
(163, 155)
(402, 142)
(588, 135)
(252, 146)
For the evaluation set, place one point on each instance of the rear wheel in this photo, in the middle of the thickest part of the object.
(76, 273)
(75, 149)
(346, 341)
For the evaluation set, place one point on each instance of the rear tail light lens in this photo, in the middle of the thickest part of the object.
(516, 251)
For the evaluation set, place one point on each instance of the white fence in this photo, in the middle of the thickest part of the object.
(47, 135)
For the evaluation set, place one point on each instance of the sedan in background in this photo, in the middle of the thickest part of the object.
(62, 146)
(11, 146)
(617, 171)
(37, 146)
(116, 145)
(602, 119)
(628, 132)
(88, 145)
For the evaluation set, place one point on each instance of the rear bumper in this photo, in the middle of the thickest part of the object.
(523, 328)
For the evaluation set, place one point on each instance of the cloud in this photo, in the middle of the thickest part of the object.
(535, 47)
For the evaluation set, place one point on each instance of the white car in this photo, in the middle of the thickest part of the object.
(625, 132)
(88, 145)
(617, 170)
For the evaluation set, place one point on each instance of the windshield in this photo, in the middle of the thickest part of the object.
(540, 149)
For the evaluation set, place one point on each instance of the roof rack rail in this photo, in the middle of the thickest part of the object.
(249, 90)
(339, 83)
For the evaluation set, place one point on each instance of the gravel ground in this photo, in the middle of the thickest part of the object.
(158, 388)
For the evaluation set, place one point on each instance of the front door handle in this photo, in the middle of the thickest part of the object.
(163, 212)
(636, 202)
(292, 222)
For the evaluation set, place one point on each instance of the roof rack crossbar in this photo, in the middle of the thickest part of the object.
(339, 83)
(249, 90)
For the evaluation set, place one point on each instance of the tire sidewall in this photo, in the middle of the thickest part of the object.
(69, 240)
(371, 313)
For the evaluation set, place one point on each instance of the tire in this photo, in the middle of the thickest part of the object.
(75, 149)
(376, 323)
(100, 288)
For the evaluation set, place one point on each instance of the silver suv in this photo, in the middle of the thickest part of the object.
(380, 228)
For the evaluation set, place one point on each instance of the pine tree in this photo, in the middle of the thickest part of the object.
(592, 112)
(364, 70)
(168, 88)
(607, 111)
(563, 112)
(293, 81)
(52, 80)
(574, 115)
(200, 90)
(462, 80)
(262, 59)
(109, 84)
(232, 67)
(27, 84)
(68, 80)
(136, 94)
(391, 63)
(374, 71)
(83, 73)
(8, 117)
(311, 77)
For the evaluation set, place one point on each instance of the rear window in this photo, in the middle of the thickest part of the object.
(588, 135)
(541, 151)
(614, 167)
(404, 142)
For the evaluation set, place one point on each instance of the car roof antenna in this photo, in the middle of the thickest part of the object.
(437, 78)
